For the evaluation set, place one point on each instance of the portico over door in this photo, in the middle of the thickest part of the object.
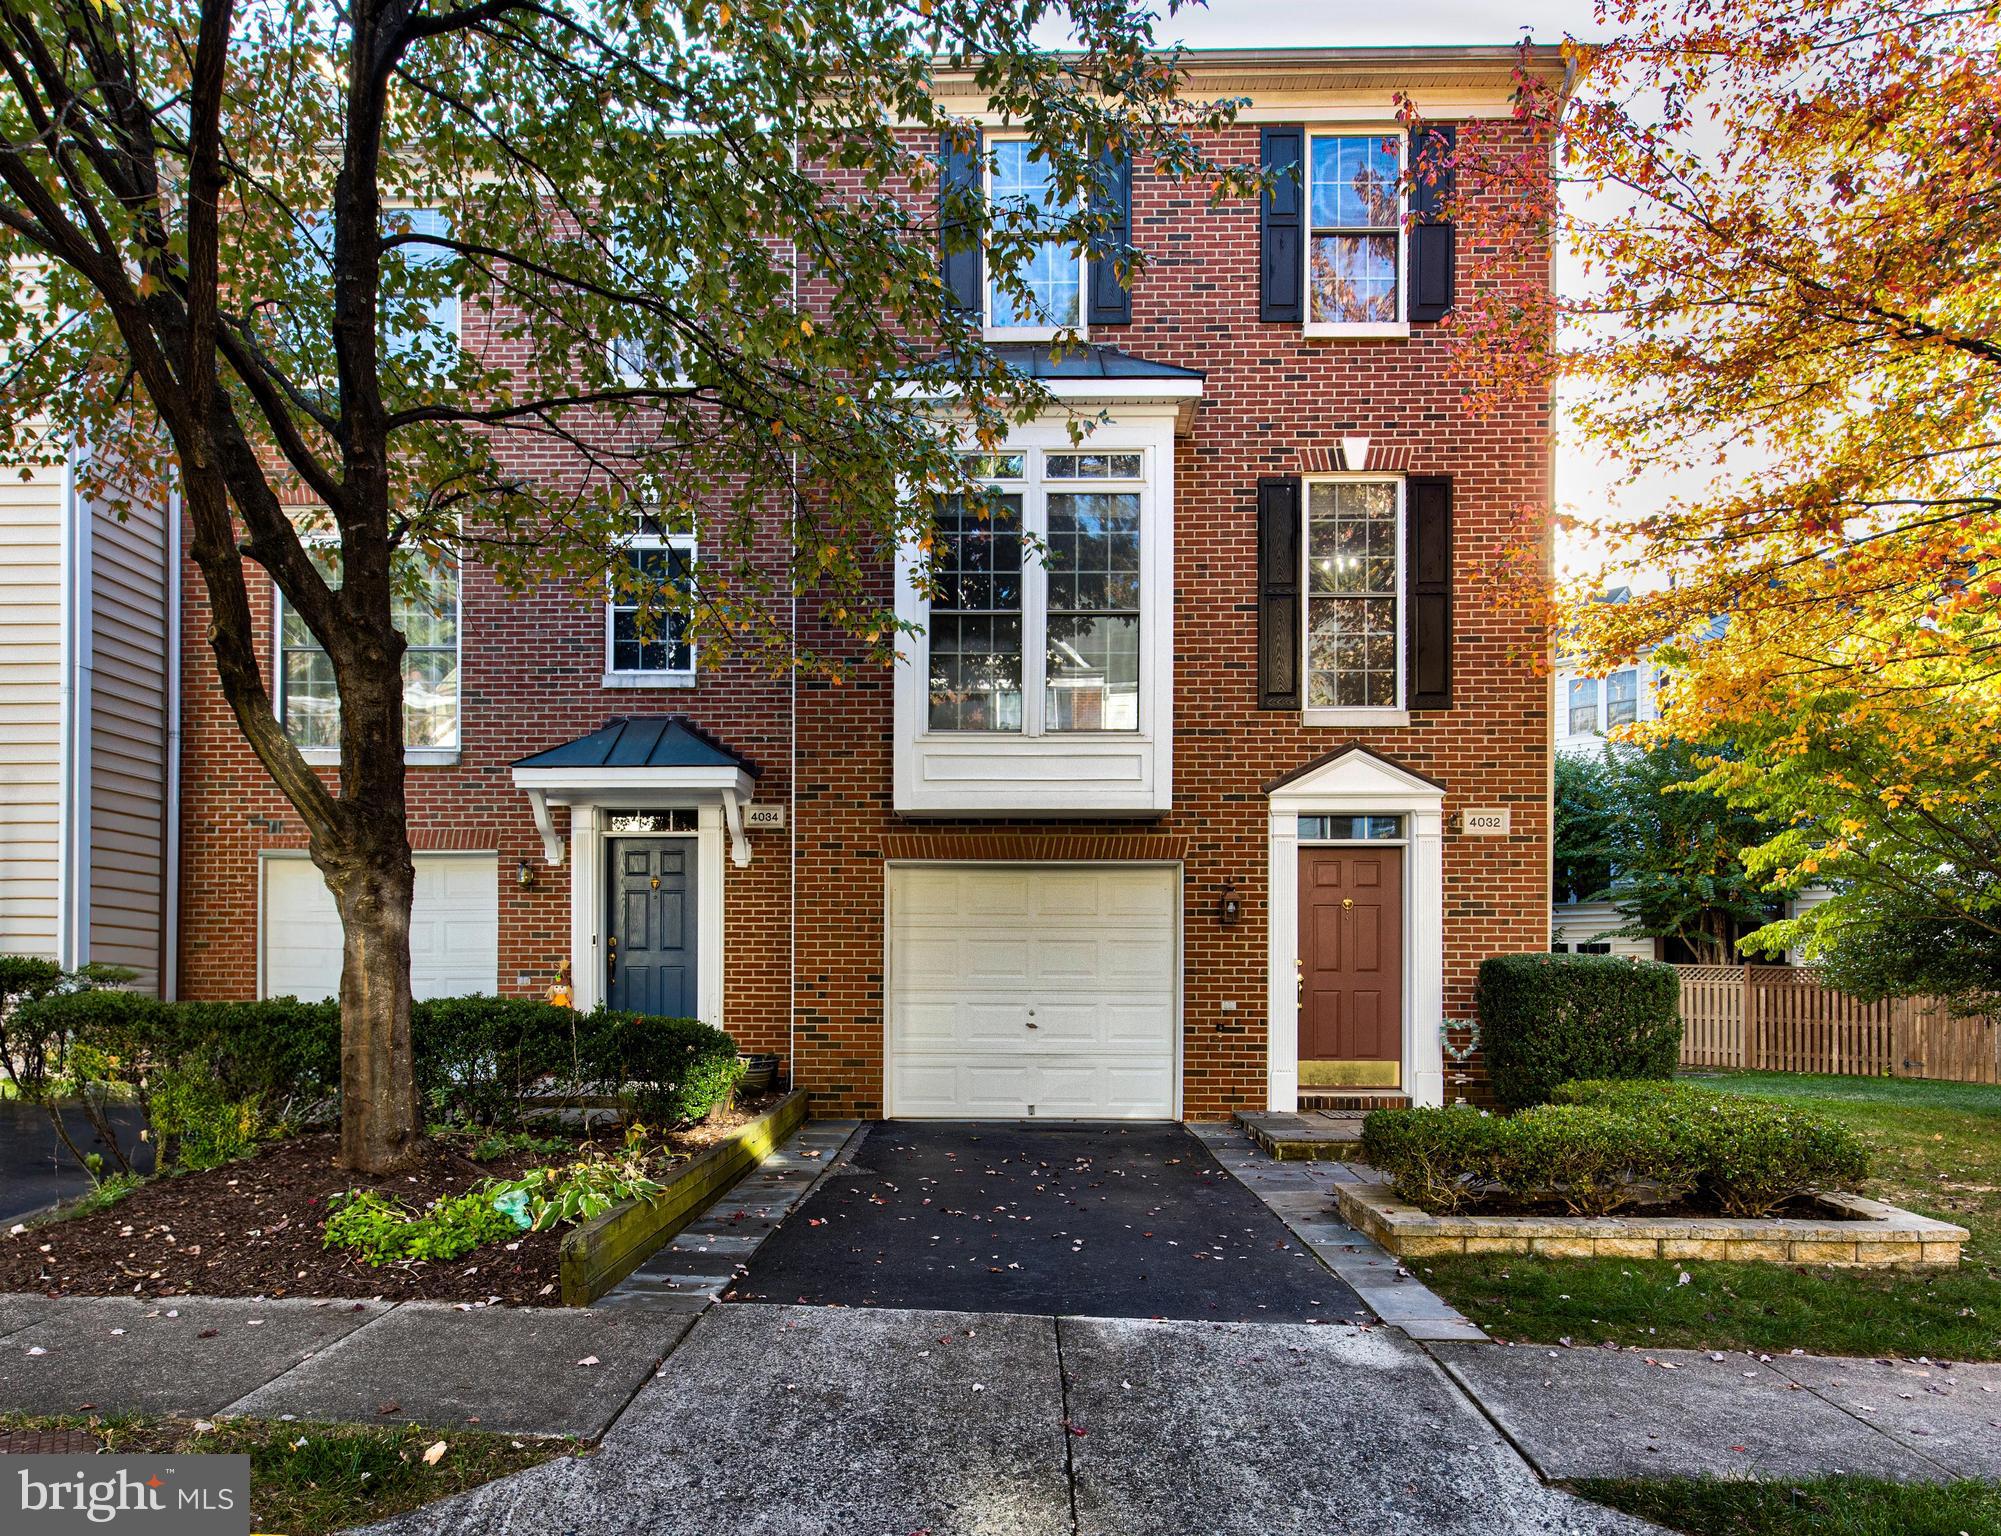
(1350, 967)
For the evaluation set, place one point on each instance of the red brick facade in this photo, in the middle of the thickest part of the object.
(804, 925)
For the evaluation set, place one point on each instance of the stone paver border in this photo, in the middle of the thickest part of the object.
(1859, 1233)
(1303, 1194)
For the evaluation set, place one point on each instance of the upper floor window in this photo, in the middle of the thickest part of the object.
(1354, 601)
(1022, 185)
(1047, 645)
(1622, 698)
(1354, 249)
(646, 619)
(425, 609)
(1583, 706)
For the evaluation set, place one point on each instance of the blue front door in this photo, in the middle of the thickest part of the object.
(650, 958)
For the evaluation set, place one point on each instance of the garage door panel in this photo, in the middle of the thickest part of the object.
(454, 928)
(984, 962)
(1133, 1028)
(1091, 949)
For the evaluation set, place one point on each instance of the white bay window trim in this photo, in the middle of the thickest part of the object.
(1036, 769)
(1365, 715)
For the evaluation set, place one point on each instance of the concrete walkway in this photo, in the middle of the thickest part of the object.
(793, 1421)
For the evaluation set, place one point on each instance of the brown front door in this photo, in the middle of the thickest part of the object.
(1351, 966)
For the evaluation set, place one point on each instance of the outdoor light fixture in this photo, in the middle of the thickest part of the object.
(1227, 908)
(524, 876)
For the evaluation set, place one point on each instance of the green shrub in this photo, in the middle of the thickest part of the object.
(383, 1232)
(1608, 1145)
(478, 1056)
(1437, 1159)
(196, 1124)
(281, 1054)
(668, 1071)
(1593, 1161)
(1760, 1155)
(1547, 1019)
(27, 976)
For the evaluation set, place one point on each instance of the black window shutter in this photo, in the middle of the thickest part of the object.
(1111, 303)
(1281, 228)
(1431, 237)
(1428, 585)
(1280, 632)
(959, 249)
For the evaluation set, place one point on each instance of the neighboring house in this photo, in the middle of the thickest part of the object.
(1588, 709)
(1172, 821)
(88, 692)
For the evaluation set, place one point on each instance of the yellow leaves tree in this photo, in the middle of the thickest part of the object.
(1783, 318)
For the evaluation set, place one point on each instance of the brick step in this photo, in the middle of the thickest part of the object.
(1352, 1103)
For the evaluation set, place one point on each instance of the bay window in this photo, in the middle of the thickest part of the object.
(1073, 612)
(1354, 594)
(1036, 677)
(425, 610)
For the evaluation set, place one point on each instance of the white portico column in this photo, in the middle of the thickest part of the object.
(586, 957)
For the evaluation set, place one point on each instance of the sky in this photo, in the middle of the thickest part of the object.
(1328, 23)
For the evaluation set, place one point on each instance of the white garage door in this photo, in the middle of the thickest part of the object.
(454, 928)
(1044, 991)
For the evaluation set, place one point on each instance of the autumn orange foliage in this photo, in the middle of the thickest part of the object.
(1782, 315)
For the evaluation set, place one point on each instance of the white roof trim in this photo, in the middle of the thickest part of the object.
(1359, 776)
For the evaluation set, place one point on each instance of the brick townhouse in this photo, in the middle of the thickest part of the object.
(1217, 805)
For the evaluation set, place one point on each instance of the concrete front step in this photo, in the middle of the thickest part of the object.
(1315, 1134)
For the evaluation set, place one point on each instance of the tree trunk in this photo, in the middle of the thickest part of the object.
(381, 1120)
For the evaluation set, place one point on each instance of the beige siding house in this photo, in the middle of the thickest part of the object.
(88, 728)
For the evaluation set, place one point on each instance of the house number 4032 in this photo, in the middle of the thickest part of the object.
(1484, 823)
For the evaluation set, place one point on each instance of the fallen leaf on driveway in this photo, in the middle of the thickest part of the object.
(588, 1360)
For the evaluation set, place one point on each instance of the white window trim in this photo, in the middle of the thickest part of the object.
(1361, 330)
(664, 677)
(1082, 329)
(413, 757)
(1365, 715)
(1597, 706)
(1060, 772)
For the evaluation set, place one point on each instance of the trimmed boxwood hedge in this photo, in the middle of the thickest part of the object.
(1551, 1019)
(1608, 1145)
(475, 1057)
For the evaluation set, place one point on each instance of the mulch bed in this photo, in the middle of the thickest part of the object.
(254, 1228)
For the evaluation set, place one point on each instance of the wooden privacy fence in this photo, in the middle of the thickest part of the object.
(1782, 1018)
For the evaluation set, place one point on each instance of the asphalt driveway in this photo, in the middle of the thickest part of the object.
(1057, 1219)
(35, 1168)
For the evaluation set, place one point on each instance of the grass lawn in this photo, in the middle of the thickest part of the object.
(307, 1479)
(1936, 1149)
(1831, 1506)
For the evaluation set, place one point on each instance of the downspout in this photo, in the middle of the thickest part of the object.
(170, 812)
(73, 727)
